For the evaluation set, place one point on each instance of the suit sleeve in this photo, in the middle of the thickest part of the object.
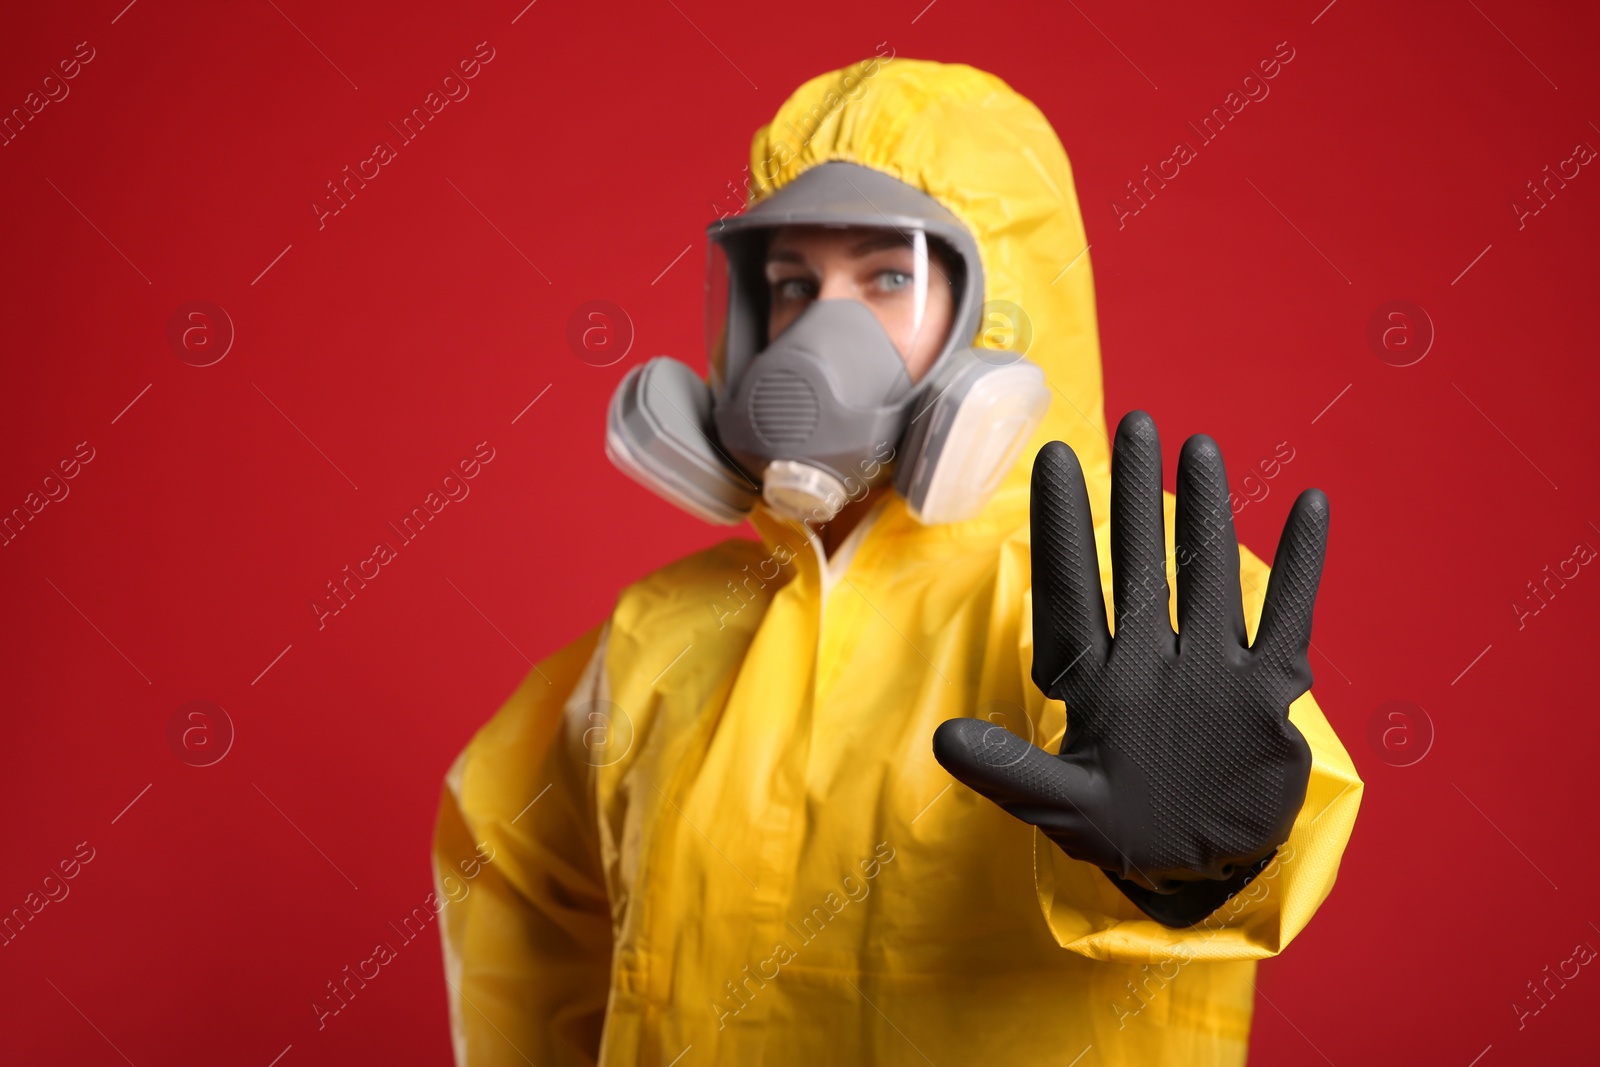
(526, 921)
(1088, 915)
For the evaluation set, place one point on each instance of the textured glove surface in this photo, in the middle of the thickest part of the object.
(1179, 769)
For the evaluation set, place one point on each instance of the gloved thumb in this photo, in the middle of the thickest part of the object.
(1067, 798)
(1011, 772)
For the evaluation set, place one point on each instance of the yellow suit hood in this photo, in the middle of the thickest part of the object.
(967, 139)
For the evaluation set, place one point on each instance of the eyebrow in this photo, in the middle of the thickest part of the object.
(875, 243)
(881, 241)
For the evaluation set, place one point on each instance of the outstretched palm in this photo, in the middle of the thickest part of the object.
(1179, 765)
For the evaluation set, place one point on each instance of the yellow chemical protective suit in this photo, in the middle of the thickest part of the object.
(712, 829)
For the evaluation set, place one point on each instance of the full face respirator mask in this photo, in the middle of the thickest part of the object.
(809, 402)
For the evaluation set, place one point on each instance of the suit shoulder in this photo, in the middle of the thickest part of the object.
(697, 592)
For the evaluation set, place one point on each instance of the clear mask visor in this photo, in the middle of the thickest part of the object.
(791, 267)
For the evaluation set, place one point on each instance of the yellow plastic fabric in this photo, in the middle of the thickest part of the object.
(716, 827)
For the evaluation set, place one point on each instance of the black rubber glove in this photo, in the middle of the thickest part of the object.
(1180, 773)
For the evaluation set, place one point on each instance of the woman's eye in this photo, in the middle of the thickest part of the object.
(793, 289)
(892, 281)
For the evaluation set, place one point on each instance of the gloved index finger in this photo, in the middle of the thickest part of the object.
(1069, 609)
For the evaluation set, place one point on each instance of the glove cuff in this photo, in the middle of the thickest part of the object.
(1193, 901)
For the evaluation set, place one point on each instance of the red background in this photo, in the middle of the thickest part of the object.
(377, 351)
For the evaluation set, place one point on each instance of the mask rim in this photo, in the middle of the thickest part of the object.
(734, 236)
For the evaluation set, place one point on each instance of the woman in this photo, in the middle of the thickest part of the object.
(718, 830)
